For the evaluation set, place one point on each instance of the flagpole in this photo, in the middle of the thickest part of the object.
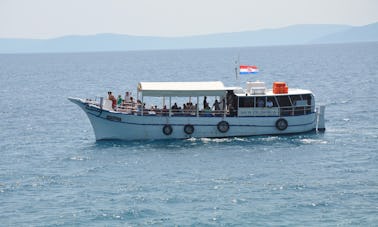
(237, 67)
(236, 71)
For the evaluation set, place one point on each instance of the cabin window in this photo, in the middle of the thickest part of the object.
(295, 98)
(283, 101)
(250, 102)
(307, 98)
(246, 102)
(298, 104)
(260, 101)
(285, 104)
(271, 102)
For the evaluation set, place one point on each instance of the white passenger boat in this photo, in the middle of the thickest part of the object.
(254, 110)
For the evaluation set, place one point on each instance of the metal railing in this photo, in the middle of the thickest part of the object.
(136, 109)
(295, 110)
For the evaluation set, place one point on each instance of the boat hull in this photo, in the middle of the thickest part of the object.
(114, 125)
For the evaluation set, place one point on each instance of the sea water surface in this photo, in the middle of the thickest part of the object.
(54, 173)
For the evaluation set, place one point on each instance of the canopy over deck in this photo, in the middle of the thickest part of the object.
(182, 89)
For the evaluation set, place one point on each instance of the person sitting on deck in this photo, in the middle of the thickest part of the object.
(139, 105)
(175, 107)
(165, 110)
(207, 111)
(132, 101)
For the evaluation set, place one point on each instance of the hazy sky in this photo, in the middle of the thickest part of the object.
(53, 18)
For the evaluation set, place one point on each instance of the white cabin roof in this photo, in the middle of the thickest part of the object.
(177, 89)
(269, 92)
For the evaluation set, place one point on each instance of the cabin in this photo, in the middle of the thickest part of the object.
(254, 101)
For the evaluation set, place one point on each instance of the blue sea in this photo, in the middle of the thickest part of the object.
(54, 173)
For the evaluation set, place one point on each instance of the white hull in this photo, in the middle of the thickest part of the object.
(114, 125)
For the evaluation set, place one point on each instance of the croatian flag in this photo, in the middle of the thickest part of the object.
(248, 69)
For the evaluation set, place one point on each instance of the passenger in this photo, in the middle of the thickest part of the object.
(165, 110)
(119, 100)
(127, 96)
(269, 104)
(223, 104)
(152, 110)
(216, 105)
(260, 102)
(231, 110)
(113, 99)
(192, 107)
(205, 103)
(139, 105)
(131, 101)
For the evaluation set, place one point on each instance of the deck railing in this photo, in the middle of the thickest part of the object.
(136, 109)
(295, 110)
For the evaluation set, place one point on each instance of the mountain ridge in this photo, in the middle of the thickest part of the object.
(290, 35)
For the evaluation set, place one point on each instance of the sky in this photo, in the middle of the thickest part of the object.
(172, 18)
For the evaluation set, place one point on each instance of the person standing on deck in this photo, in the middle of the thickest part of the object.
(113, 99)
(119, 100)
(205, 103)
(216, 105)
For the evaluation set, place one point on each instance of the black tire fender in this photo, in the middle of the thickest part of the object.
(281, 124)
(189, 129)
(167, 130)
(223, 126)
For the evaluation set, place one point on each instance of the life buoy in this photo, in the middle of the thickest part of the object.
(281, 124)
(223, 126)
(188, 129)
(167, 130)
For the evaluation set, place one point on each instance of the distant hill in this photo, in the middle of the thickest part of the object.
(367, 33)
(292, 35)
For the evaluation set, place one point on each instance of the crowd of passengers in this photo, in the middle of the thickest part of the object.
(128, 104)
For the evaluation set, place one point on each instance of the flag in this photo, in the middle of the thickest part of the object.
(248, 69)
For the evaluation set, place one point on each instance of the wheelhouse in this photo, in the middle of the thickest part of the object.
(293, 104)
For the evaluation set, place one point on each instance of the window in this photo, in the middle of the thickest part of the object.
(308, 98)
(283, 101)
(260, 101)
(271, 102)
(295, 98)
(246, 102)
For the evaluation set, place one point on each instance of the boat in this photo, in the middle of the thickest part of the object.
(253, 110)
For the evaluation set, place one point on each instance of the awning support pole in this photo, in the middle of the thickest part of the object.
(170, 106)
(197, 109)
